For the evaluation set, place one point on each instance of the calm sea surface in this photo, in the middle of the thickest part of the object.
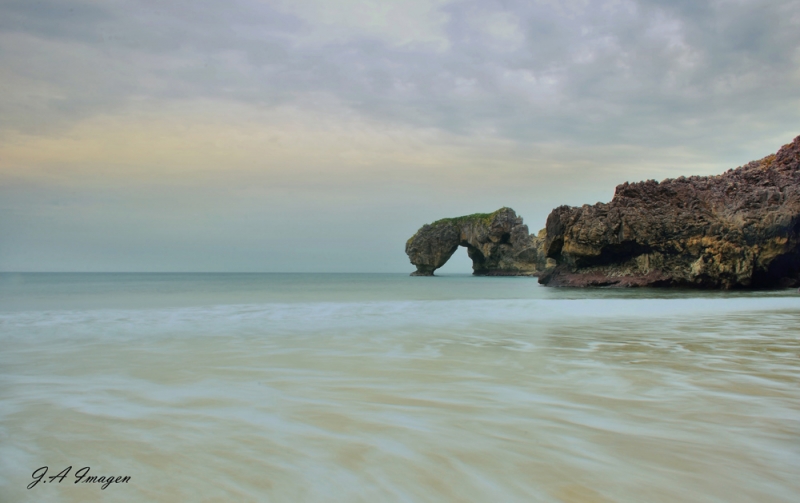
(345, 388)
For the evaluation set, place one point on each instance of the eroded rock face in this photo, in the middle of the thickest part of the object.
(498, 244)
(740, 229)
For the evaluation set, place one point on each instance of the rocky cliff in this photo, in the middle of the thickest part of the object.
(740, 229)
(498, 244)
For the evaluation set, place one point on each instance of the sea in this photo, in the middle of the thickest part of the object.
(390, 388)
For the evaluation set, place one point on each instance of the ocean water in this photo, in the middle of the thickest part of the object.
(314, 387)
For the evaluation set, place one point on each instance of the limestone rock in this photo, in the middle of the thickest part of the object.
(498, 244)
(740, 229)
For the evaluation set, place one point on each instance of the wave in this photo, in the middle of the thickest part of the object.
(379, 315)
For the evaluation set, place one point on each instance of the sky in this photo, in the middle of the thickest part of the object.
(319, 135)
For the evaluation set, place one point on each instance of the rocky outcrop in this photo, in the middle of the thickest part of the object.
(740, 229)
(498, 244)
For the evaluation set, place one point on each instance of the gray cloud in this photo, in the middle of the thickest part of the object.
(659, 72)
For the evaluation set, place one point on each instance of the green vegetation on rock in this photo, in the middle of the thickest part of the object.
(484, 218)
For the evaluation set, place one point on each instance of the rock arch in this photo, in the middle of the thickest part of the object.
(498, 244)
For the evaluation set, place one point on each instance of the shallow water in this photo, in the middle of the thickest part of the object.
(390, 388)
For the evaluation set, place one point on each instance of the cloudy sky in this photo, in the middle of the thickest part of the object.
(318, 135)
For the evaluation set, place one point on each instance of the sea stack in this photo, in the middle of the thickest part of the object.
(498, 244)
(740, 229)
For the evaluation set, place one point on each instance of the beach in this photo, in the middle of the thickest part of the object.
(359, 387)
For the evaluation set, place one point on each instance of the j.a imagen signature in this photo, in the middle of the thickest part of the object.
(82, 476)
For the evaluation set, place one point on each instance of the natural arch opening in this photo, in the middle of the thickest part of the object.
(459, 263)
